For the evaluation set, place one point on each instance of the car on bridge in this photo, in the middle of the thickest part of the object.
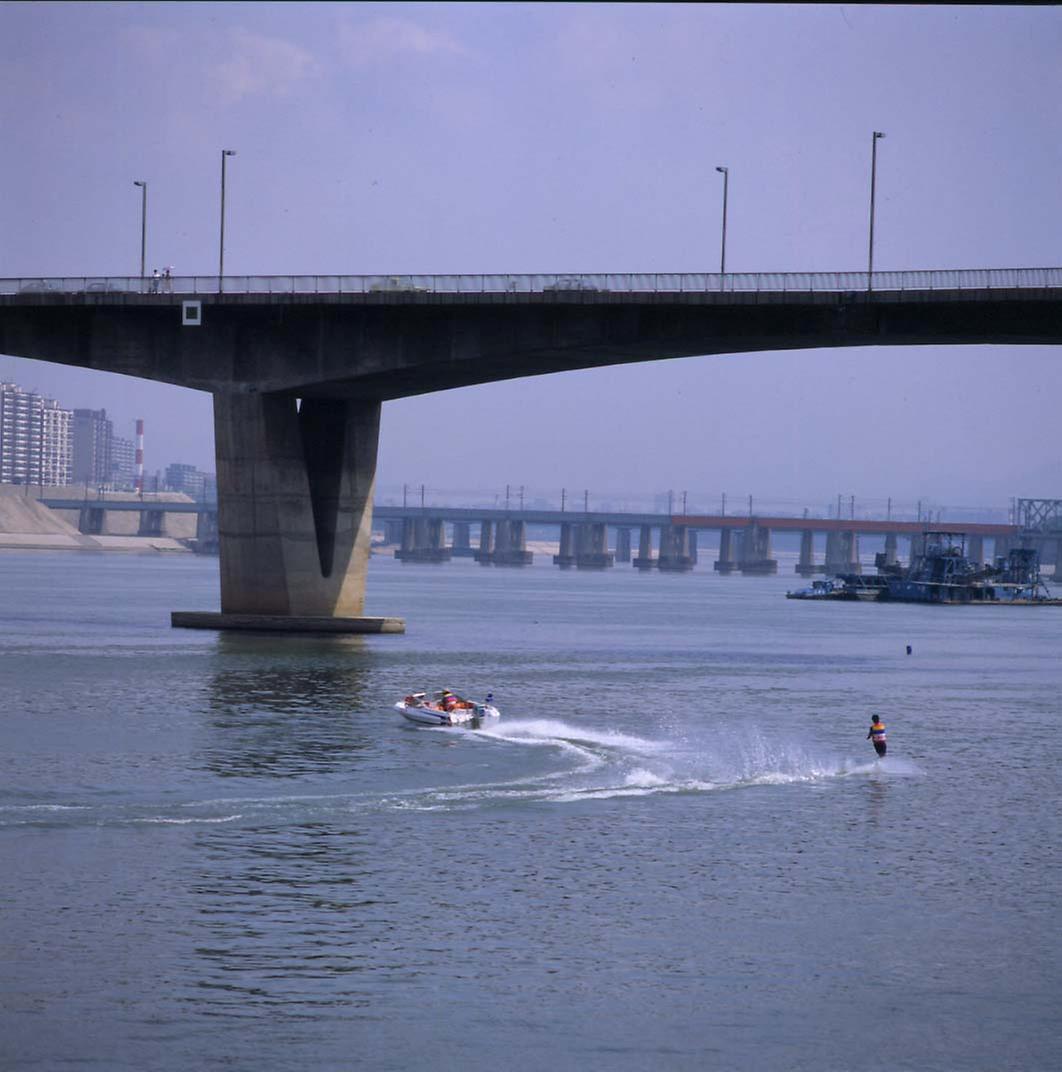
(567, 284)
(397, 285)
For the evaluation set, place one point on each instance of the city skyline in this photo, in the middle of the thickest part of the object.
(443, 138)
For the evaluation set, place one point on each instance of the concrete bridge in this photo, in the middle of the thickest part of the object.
(666, 541)
(587, 540)
(300, 365)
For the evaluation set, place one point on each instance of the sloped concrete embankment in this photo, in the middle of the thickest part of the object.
(28, 525)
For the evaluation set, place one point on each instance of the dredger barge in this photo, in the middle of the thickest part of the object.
(943, 573)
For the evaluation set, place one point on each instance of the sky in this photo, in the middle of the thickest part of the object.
(448, 138)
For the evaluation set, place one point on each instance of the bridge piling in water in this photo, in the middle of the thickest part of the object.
(295, 488)
(725, 562)
(806, 565)
(645, 559)
(754, 556)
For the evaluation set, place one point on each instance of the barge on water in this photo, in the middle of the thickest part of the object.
(943, 574)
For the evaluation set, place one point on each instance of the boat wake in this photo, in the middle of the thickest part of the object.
(565, 763)
(597, 764)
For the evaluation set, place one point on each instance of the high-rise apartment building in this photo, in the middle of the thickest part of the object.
(35, 438)
(123, 463)
(93, 439)
(192, 481)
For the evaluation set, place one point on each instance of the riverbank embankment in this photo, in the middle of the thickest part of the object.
(26, 524)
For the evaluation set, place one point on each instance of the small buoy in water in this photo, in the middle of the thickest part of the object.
(908, 649)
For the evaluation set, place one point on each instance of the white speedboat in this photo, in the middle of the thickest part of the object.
(445, 708)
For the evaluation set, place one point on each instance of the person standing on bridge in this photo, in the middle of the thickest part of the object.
(155, 277)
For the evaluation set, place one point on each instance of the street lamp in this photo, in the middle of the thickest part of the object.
(143, 222)
(873, 188)
(725, 172)
(221, 252)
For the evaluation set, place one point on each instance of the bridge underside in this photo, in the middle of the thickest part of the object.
(413, 344)
(298, 383)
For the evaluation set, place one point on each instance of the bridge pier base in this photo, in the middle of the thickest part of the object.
(565, 557)
(591, 547)
(806, 565)
(842, 553)
(294, 513)
(510, 544)
(755, 557)
(623, 545)
(486, 543)
(725, 562)
(462, 545)
(645, 558)
(674, 549)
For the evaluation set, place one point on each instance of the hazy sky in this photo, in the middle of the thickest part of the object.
(393, 138)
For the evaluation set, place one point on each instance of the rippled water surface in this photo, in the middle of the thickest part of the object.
(673, 851)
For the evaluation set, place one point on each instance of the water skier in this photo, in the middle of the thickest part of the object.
(876, 733)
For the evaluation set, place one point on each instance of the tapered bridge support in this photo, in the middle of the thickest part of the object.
(295, 487)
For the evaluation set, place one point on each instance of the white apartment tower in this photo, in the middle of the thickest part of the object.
(36, 445)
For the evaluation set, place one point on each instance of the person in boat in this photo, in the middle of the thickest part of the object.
(876, 733)
(448, 701)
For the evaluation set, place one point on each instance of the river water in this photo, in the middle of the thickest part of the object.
(673, 851)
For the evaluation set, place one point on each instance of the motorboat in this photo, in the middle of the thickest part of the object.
(445, 708)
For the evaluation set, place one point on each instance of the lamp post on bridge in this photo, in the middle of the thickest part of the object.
(725, 172)
(221, 251)
(873, 187)
(143, 224)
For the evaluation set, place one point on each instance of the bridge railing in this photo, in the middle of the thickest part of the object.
(566, 287)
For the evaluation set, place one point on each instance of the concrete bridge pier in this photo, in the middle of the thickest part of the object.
(918, 547)
(645, 558)
(295, 487)
(409, 537)
(675, 549)
(510, 544)
(429, 542)
(891, 557)
(206, 533)
(842, 553)
(691, 544)
(393, 531)
(91, 521)
(806, 564)
(462, 545)
(485, 555)
(756, 551)
(592, 547)
(725, 562)
(623, 545)
(565, 558)
(152, 523)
